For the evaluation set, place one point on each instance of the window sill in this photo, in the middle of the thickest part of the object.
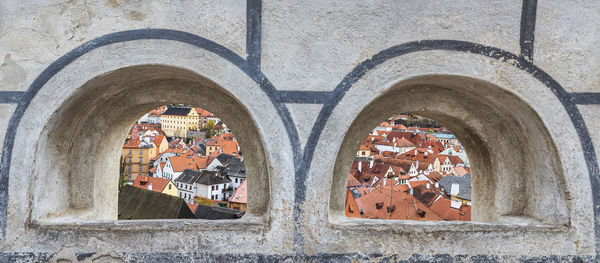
(505, 224)
(246, 223)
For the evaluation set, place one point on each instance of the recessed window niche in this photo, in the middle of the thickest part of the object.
(80, 148)
(410, 167)
(516, 173)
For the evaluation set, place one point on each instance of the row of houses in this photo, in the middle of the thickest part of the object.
(201, 170)
(409, 173)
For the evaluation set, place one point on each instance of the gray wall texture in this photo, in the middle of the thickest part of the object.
(301, 83)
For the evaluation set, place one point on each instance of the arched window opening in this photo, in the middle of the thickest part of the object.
(181, 161)
(410, 168)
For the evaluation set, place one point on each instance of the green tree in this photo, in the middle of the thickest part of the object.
(209, 129)
(123, 175)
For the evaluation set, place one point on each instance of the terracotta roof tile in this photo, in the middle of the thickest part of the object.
(158, 184)
(240, 195)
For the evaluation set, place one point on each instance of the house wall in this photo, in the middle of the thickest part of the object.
(203, 190)
(170, 189)
(301, 84)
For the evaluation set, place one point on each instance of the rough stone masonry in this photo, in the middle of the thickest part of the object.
(301, 82)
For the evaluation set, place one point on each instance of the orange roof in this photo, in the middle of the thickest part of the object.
(443, 209)
(399, 127)
(192, 207)
(381, 133)
(351, 207)
(158, 139)
(155, 112)
(352, 181)
(158, 184)
(404, 143)
(414, 184)
(133, 143)
(180, 163)
(376, 205)
(384, 124)
(230, 147)
(453, 159)
(434, 176)
(240, 195)
(461, 171)
(203, 113)
(418, 154)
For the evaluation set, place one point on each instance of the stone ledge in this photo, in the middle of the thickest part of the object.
(246, 223)
(342, 222)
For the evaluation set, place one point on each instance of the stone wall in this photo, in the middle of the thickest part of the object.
(300, 83)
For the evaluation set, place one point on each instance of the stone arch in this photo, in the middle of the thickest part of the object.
(82, 139)
(510, 168)
(148, 65)
(416, 76)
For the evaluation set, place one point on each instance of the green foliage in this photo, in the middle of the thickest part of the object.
(123, 176)
(209, 129)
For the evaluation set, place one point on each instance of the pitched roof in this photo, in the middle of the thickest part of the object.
(463, 182)
(351, 207)
(180, 163)
(177, 111)
(202, 177)
(399, 127)
(376, 204)
(384, 124)
(158, 184)
(137, 203)
(235, 167)
(224, 158)
(442, 207)
(461, 171)
(240, 195)
(192, 207)
(158, 139)
(137, 144)
(404, 143)
(216, 212)
(203, 113)
(453, 159)
(434, 176)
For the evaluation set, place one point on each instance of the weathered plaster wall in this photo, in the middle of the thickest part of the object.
(302, 73)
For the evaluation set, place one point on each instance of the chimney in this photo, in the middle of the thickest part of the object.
(427, 185)
(360, 166)
(437, 185)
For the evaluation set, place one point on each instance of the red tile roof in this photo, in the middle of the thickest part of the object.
(158, 184)
(443, 209)
(384, 124)
(240, 195)
(376, 205)
(351, 207)
(192, 207)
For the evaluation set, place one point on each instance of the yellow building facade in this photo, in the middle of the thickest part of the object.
(137, 155)
(176, 122)
(170, 189)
